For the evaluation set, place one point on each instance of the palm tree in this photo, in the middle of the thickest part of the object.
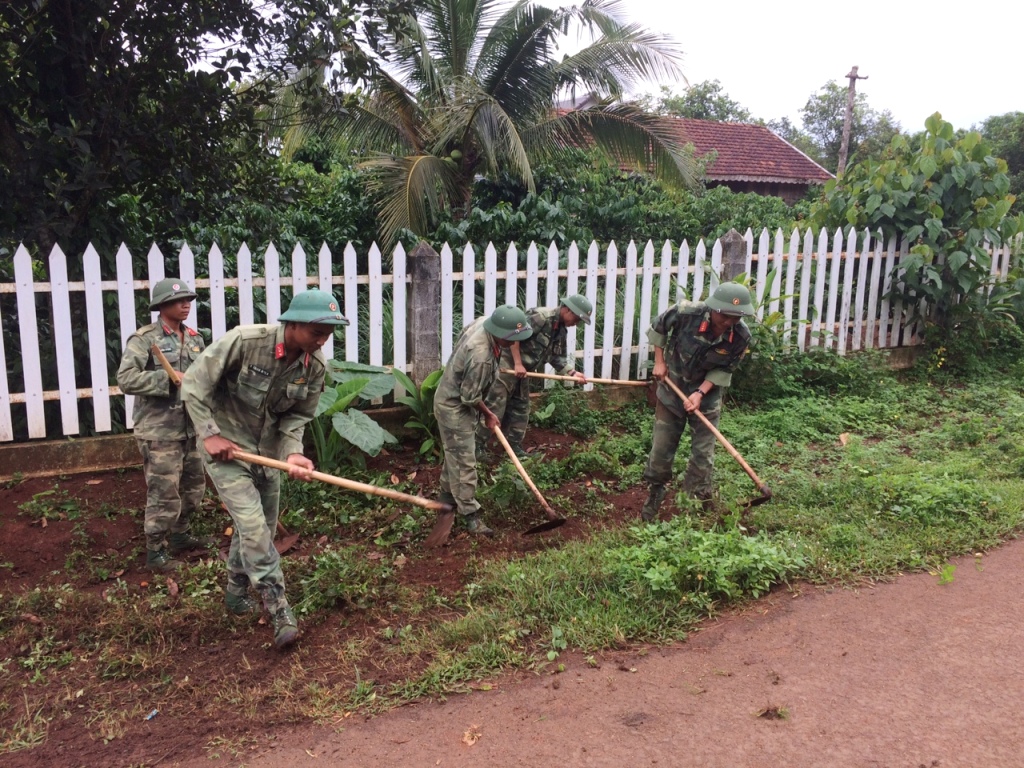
(472, 90)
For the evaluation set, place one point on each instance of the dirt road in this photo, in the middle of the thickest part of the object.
(912, 673)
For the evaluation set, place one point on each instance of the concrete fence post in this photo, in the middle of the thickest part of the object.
(424, 311)
(734, 255)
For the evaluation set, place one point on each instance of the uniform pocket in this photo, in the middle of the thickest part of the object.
(252, 389)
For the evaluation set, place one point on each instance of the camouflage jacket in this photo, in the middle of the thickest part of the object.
(546, 345)
(243, 389)
(470, 371)
(684, 334)
(158, 413)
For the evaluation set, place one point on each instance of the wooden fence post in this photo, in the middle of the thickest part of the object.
(424, 311)
(734, 255)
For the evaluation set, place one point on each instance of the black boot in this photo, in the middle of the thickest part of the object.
(649, 513)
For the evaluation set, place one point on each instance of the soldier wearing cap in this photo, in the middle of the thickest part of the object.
(698, 345)
(175, 483)
(460, 402)
(509, 397)
(255, 389)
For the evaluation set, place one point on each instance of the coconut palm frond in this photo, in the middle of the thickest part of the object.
(413, 191)
(628, 135)
(616, 63)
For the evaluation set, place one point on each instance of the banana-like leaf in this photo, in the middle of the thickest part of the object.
(379, 380)
(362, 431)
(334, 399)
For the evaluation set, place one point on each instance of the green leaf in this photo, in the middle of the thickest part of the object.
(334, 399)
(928, 166)
(872, 204)
(362, 431)
(956, 260)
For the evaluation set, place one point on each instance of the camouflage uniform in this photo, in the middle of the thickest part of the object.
(174, 470)
(509, 397)
(683, 333)
(465, 382)
(244, 390)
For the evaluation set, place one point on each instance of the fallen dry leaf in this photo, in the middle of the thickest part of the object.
(172, 587)
(93, 482)
(400, 561)
(375, 556)
(394, 479)
(229, 531)
(472, 736)
(143, 584)
(43, 523)
(31, 618)
(844, 438)
(412, 475)
(311, 753)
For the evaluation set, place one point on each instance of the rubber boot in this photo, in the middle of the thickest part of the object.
(649, 513)
(183, 542)
(160, 561)
(286, 628)
(476, 526)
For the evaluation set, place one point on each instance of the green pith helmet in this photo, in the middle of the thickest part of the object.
(508, 324)
(170, 289)
(314, 306)
(731, 299)
(579, 305)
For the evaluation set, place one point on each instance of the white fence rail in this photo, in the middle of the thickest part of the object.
(831, 291)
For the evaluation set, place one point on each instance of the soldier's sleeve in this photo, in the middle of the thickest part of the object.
(204, 374)
(292, 424)
(658, 333)
(132, 376)
(476, 379)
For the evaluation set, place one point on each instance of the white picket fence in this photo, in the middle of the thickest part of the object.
(830, 290)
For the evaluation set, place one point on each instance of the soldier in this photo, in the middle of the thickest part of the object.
(698, 345)
(175, 483)
(459, 403)
(255, 389)
(509, 397)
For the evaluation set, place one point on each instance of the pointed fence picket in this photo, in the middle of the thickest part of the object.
(840, 291)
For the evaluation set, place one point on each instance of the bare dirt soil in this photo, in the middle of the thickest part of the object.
(905, 674)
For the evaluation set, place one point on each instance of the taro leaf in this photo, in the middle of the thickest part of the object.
(334, 399)
(362, 431)
(380, 381)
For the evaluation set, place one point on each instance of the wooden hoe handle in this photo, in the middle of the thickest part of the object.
(350, 485)
(166, 365)
(721, 438)
(557, 377)
(552, 515)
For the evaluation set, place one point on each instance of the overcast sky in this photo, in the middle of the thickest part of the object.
(961, 59)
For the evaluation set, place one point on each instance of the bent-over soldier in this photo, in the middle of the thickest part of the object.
(255, 389)
(698, 345)
(509, 397)
(175, 482)
(459, 405)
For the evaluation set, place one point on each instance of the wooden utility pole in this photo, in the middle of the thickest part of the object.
(851, 94)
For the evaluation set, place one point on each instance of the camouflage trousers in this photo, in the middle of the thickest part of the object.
(668, 430)
(175, 485)
(252, 495)
(509, 398)
(458, 472)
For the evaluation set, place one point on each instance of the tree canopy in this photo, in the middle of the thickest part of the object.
(111, 103)
(473, 89)
(703, 101)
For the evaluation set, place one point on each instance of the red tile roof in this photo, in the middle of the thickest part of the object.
(749, 153)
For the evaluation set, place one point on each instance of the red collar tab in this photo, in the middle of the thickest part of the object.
(731, 332)
(704, 327)
(279, 351)
(557, 323)
(167, 329)
(191, 332)
(495, 350)
(305, 362)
